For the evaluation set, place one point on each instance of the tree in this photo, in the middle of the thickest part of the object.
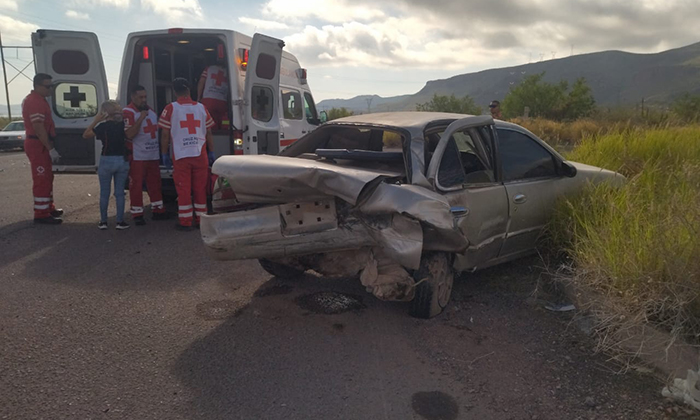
(687, 107)
(335, 113)
(549, 100)
(450, 103)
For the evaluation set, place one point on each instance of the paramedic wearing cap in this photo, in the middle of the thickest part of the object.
(212, 92)
(141, 127)
(38, 146)
(188, 124)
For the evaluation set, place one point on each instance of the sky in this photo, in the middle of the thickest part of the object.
(383, 47)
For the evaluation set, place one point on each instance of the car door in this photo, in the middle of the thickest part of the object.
(531, 178)
(74, 60)
(262, 95)
(462, 168)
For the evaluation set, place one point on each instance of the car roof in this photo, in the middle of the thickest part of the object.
(413, 121)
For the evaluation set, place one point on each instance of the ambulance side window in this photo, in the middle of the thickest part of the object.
(310, 109)
(75, 100)
(263, 103)
(291, 104)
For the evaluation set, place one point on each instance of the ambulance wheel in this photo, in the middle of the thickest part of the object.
(435, 278)
(280, 270)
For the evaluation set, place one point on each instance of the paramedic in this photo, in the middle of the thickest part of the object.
(212, 91)
(38, 145)
(188, 124)
(141, 125)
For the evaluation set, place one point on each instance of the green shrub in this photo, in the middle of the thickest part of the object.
(640, 243)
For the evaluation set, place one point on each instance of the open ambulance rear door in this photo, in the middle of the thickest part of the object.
(74, 60)
(262, 96)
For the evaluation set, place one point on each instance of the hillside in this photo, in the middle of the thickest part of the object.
(615, 77)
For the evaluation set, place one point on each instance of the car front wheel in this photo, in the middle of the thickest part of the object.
(435, 278)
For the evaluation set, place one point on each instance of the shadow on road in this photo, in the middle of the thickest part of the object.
(154, 256)
(493, 354)
(356, 364)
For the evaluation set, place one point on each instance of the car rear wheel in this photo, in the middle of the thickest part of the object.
(280, 270)
(435, 278)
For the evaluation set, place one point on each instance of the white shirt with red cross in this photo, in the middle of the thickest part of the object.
(216, 85)
(145, 143)
(188, 122)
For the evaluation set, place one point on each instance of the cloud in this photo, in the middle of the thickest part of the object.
(8, 5)
(326, 10)
(459, 34)
(16, 30)
(263, 24)
(92, 4)
(77, 15)
(175, 11)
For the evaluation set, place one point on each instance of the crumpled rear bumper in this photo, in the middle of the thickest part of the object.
(279, 231)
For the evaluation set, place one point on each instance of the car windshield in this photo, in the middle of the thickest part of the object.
(14, 126)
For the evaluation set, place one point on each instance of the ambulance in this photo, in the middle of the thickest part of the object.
(270, 103)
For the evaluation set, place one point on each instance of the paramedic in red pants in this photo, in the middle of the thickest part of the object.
(141, 126)
(38, 146)
(212, 92)
(188, 124)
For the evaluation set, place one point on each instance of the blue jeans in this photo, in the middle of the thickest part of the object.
(112, 167)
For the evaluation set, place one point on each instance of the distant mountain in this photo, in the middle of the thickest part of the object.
(615, 77)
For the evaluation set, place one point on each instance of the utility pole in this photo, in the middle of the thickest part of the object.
(4, 71)
(4, 74)
(369, 104)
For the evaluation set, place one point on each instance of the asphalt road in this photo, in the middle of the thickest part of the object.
(141, 324)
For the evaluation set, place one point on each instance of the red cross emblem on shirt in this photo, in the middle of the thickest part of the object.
(220, 77)
(190, 124)
(150, 128)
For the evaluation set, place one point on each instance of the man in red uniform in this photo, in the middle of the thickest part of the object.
(212, 92)
(38, 146)
(141, 127)
(188, 124)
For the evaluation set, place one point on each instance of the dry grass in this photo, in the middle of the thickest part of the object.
(639, 245)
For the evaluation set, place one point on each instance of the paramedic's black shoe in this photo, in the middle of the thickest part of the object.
(182, 228)
(139, 221)
(122, 226)
(57, 213)
(48, 221)
(160, 216)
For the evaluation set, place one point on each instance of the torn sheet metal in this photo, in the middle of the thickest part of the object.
(279, 179)
(402, 239)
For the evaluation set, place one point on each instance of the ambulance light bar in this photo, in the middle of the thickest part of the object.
(175, 30)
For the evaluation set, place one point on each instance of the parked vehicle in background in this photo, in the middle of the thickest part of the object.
(12, 136)
(403, 199)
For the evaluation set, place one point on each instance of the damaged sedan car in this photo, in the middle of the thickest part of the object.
(404, 200)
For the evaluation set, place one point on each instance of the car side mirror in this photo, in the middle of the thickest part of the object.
(568, 170)
(323, 117)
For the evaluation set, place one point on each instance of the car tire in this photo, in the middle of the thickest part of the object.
(282, 271)
(435, 276)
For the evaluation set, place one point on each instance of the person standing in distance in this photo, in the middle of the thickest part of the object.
(495, 108)
(187, 124)
(212, 91)
(38, 145)
(141, 129)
